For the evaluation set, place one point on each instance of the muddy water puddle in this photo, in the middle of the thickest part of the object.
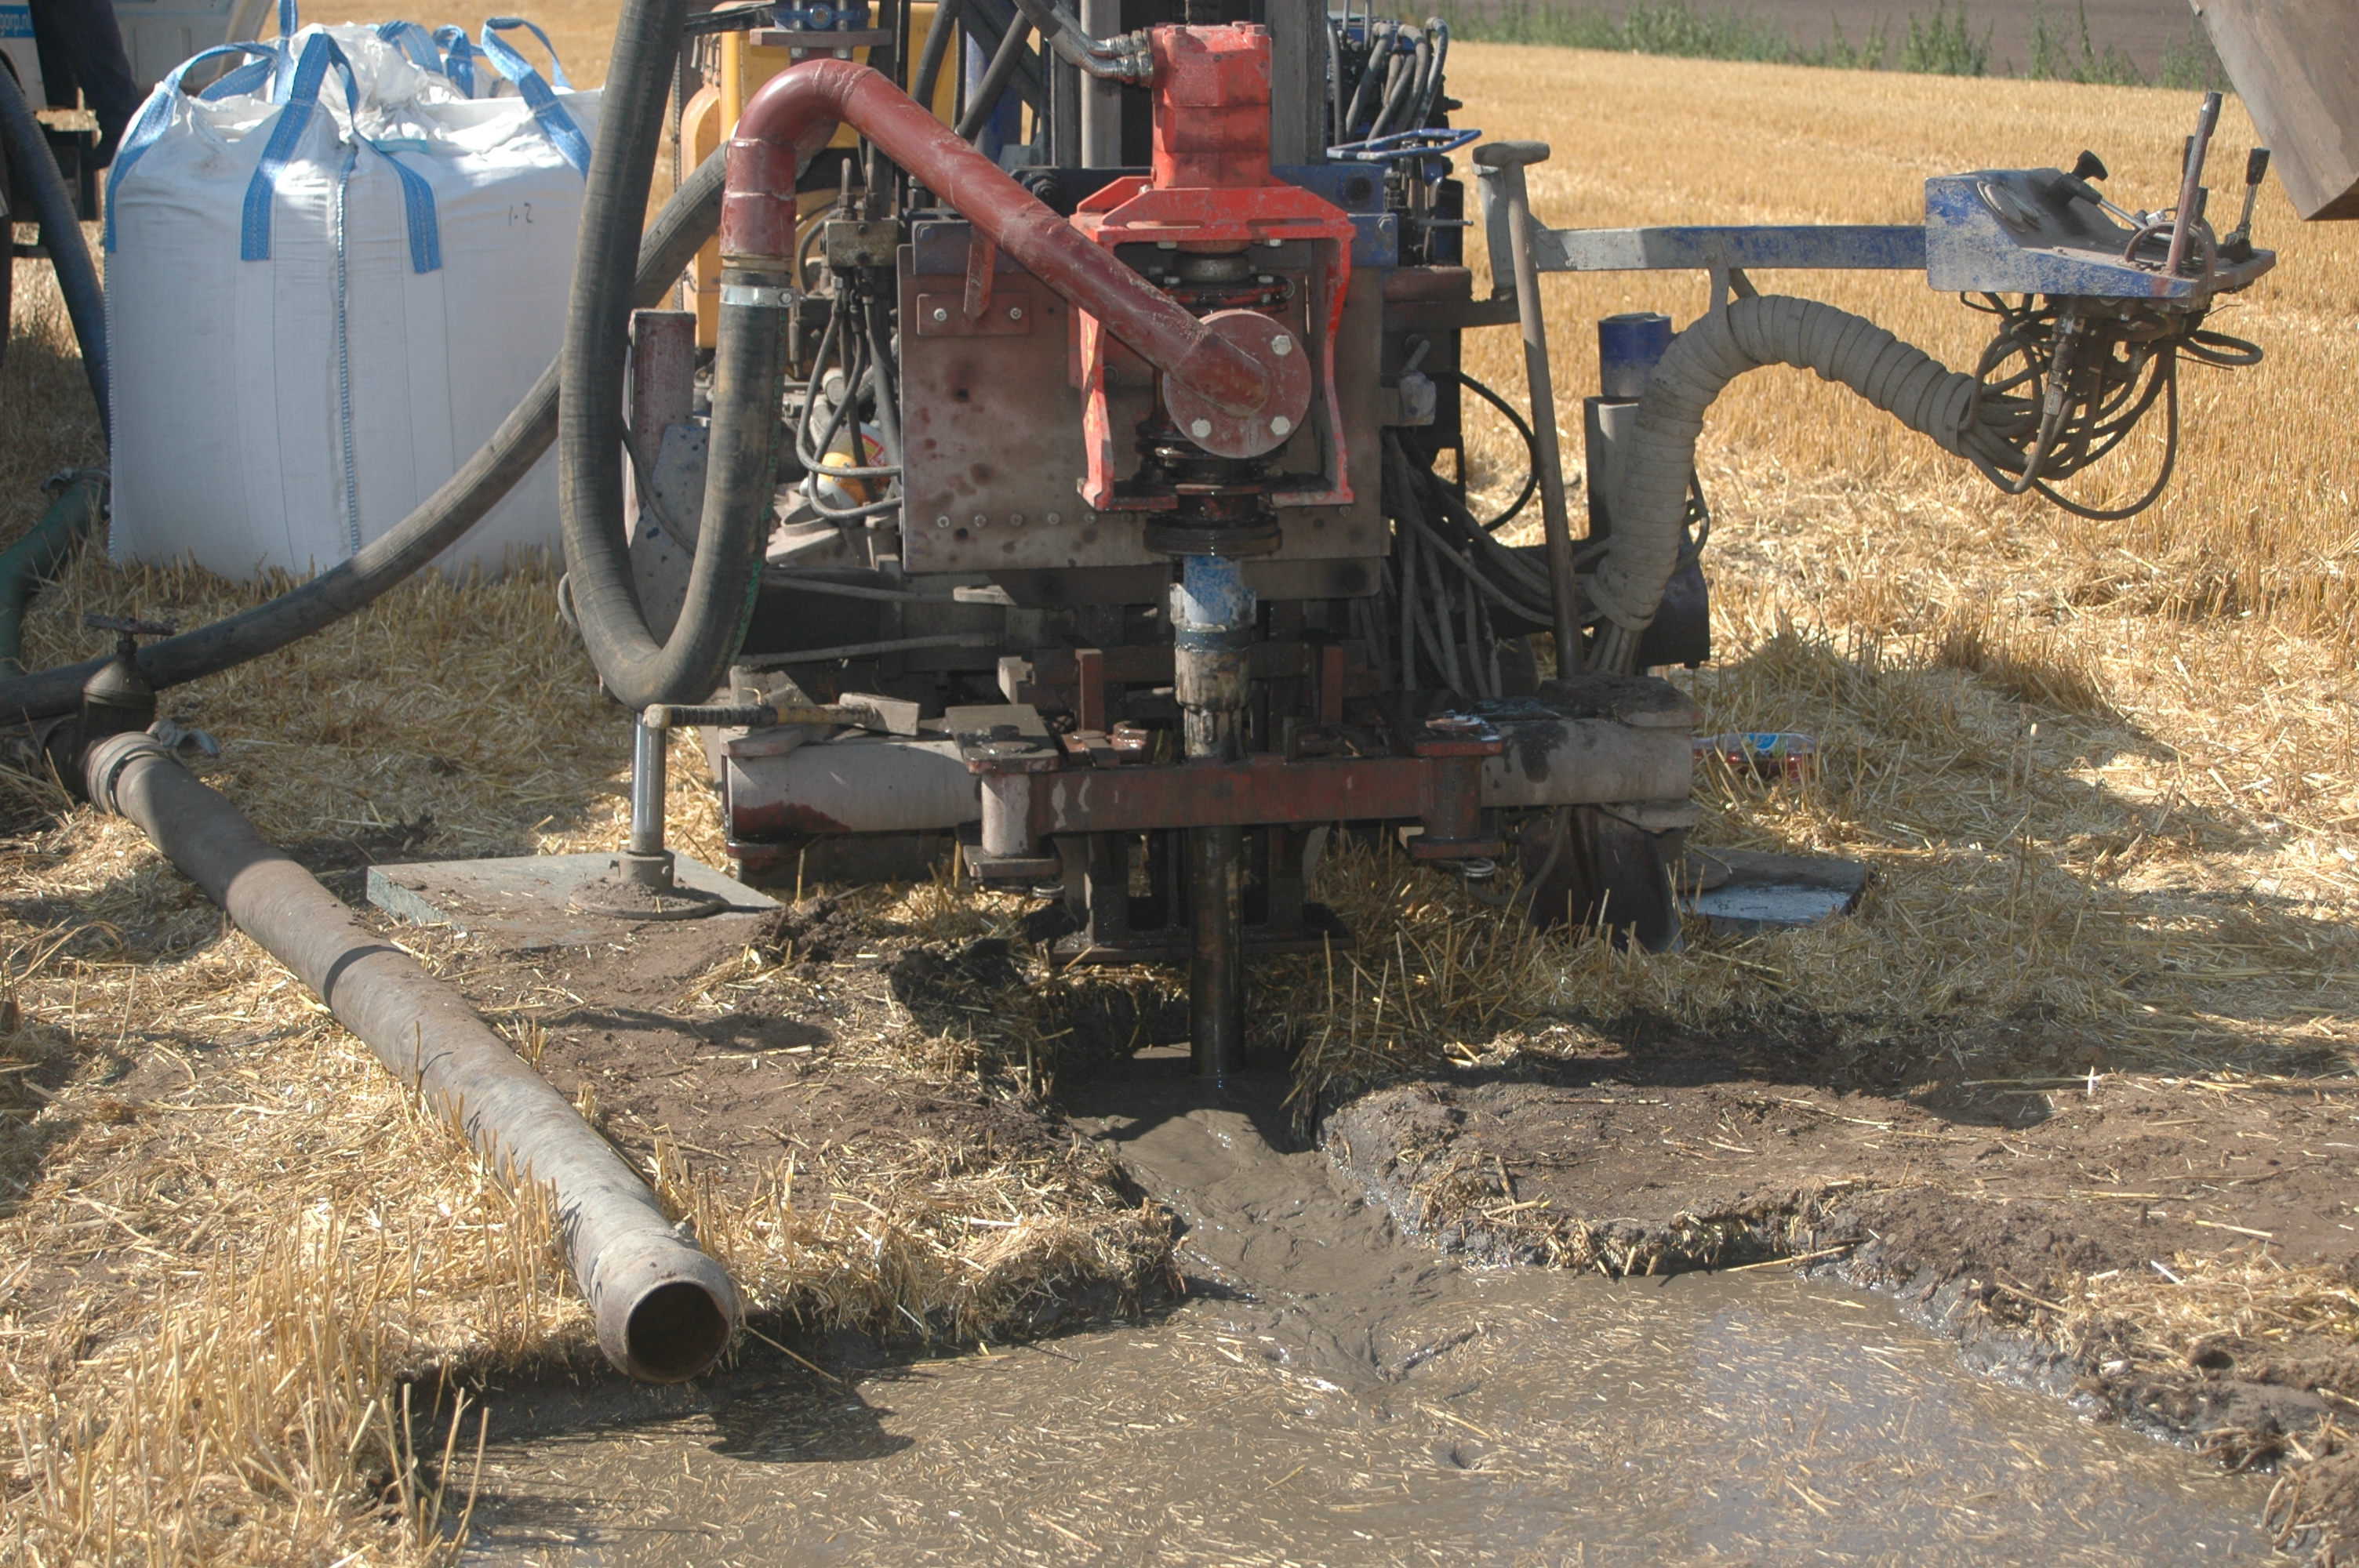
(1328, 1393)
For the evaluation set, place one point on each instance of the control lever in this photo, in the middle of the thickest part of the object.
(2256, 168)
(2191, 185)
(2076, 186)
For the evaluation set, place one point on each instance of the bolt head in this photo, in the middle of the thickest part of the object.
(1201, 428)
(1279, 424)
(942, 522)
(1055, 518)
(940, 314)
(1281, 345)
(1015, 312)
(1015, 520)
(981, 521)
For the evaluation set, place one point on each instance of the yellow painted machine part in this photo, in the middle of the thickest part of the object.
(712, 113)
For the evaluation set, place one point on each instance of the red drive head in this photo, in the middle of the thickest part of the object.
(1211, 107)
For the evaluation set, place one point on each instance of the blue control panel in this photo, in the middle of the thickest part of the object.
(2025, 230)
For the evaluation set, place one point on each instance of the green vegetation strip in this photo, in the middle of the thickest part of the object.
(1942, 43)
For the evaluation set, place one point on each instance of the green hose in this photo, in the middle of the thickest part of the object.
(33, 560)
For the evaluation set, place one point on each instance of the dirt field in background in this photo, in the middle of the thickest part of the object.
(2142, 29)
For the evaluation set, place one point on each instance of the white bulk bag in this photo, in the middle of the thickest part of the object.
(330, 276)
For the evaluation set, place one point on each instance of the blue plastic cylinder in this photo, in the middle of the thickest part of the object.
(1629, 346)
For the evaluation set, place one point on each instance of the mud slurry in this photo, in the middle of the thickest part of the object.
(1342, 1378)
(2077, 1236)
(1330, 1391)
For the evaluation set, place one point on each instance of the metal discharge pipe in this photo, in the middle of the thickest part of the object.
(793, 116)
(665, 1309)
(646, 787)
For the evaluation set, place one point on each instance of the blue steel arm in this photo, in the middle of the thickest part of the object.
(1998, 231)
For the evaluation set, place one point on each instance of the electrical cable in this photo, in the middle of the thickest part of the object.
(1523, 428)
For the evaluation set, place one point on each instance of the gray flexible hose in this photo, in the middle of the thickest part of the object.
(1902, 379)
(665, 1309)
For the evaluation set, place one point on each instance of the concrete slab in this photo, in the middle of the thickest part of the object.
(519, 902)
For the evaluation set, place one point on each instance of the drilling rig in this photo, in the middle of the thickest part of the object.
(1063, 459)
(1058, 459)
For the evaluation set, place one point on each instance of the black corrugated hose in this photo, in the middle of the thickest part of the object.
(749, 379)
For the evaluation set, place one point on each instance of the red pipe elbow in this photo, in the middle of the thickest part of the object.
(796, 114)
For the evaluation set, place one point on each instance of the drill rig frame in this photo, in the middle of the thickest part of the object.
(1094, 506)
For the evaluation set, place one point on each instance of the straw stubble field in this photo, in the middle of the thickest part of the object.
(2103, 775)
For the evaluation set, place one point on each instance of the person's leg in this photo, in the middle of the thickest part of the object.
(82, 47)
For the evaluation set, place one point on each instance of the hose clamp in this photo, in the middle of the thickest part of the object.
(103, 768)
(760, 295)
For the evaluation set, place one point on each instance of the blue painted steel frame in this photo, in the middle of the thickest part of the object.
(1998, 231)
(1851, 247)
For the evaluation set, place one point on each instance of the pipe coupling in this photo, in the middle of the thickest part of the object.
(103, 763)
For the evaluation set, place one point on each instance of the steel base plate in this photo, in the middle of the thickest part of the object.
(526, 902)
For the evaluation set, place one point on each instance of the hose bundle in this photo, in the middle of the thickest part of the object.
(1447, 588)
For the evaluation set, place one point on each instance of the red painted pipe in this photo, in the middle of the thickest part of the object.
(794, 115)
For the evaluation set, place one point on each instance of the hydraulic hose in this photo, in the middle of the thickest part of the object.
(53, 207)
(1902, 379)
(985, 100)
(663, 1308)
(43, 551)
(1123, 59)
(686, 221)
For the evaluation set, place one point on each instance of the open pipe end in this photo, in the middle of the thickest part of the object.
(666, 1311)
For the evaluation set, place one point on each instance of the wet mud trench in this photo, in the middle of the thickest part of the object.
(1327, 1390)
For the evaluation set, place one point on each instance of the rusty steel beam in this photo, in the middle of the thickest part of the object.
(1443, 793)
